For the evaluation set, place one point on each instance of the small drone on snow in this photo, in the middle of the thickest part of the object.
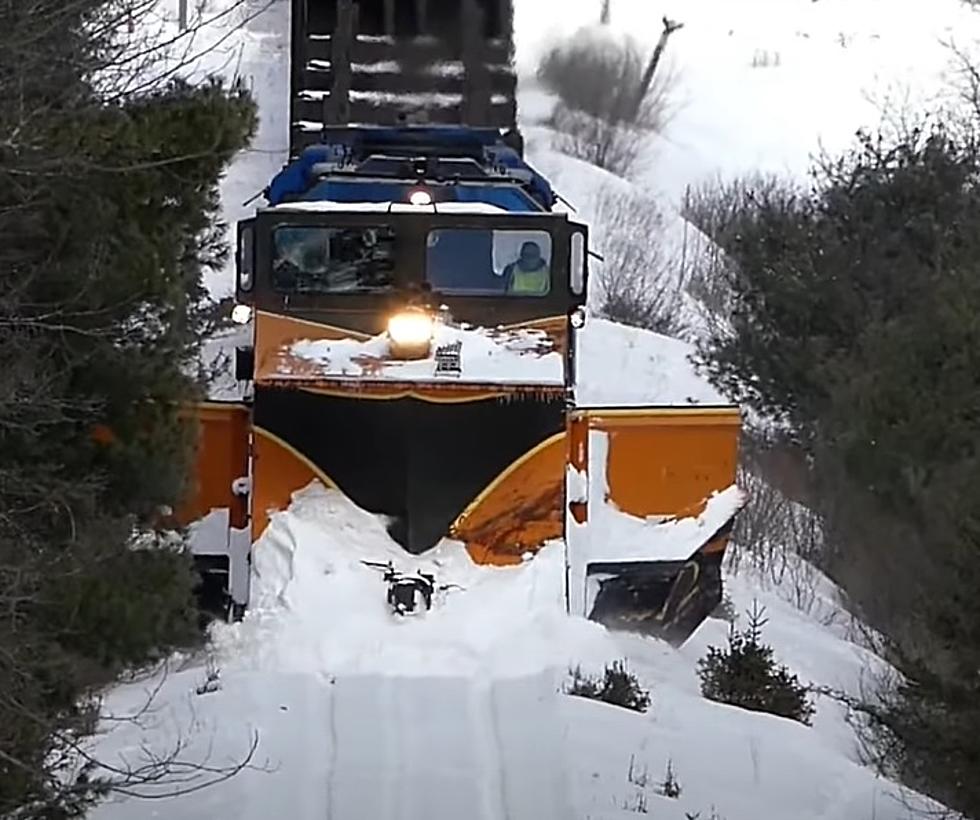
(409, 592)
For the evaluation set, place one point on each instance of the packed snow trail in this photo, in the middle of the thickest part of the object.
(415, 748)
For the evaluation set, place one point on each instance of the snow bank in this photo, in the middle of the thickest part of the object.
(458, 712)
(486, 355)
(309, 577)
(620, 365)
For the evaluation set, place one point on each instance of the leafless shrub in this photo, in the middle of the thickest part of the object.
(617, 148)
(777, 537)
(670, 787)
(637, 285)
(78, 771)
(637, 775)
(763, 58)
(713, 209)
(611, 98)
(606, 14)
(964, 85)
(212, 678)
(699, 816)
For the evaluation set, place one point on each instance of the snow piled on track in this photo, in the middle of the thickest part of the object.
(458, 712)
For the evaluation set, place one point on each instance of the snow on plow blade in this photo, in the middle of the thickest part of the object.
(651, 506)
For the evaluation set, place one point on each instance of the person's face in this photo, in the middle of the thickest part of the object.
(530, 255)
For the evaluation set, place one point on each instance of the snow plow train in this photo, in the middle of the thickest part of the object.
(416, 307)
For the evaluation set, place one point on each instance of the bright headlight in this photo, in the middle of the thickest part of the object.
(411, 333)
(241, 314)
(411, 327)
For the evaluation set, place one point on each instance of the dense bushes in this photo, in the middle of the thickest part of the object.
(852, 317)
(611, 98)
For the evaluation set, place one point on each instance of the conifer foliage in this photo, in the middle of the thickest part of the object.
(746, 674)
(108, 218)
(853, 318)
(617, 686)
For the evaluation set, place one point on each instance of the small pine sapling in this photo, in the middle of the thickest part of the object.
(746, 674)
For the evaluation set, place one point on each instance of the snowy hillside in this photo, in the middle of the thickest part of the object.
(763, 84)
(459, 712)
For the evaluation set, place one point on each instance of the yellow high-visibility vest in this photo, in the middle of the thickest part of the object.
(534, 281)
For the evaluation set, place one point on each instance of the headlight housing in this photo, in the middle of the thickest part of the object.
(241, 314)
(410, 332)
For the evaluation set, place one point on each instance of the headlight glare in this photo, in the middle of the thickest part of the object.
(410, 332)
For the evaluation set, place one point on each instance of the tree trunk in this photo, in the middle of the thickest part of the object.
(670, 26)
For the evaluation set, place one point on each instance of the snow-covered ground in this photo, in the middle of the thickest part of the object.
(459, 712)
(763, 84)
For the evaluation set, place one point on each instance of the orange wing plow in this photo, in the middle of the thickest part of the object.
(651, 503)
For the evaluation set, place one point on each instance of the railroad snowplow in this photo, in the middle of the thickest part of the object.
(415, 306)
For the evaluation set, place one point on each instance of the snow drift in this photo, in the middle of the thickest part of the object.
(459, 712)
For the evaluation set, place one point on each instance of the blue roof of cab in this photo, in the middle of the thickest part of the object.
(343, 148)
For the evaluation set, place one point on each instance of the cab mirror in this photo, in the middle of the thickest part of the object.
(577, 262)
(246, 256)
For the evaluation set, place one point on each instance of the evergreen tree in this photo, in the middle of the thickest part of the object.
(746, 674)
(108, 218)
(854, 316)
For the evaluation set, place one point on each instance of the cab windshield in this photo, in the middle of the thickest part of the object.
(307, 259)
(473, 262)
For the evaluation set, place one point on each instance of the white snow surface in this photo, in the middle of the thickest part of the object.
(624, 537)
(486, 356)
(389, 207)
(458, 712)
(764, 85)
(616, 365)
(620, 365)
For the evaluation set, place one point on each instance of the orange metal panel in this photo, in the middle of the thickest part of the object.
(278, 470)
(222, 457)
(275, 365)
(667, 462)
(273, 336)
(520, 509)
(578, 459)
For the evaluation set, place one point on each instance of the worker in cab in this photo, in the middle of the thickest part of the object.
(530, 273)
